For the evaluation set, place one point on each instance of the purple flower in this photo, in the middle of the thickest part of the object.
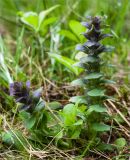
(94, 35)
(22, 94)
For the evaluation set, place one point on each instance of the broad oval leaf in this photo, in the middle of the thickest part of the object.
(76, 133)
(107, 81)
(30, 122)
(105, 147)
(77, 28)
(96, 108)
(79, 122)
(108, 48)
(69, 114)
(46, 22)
(40, 105)
(102, 36)
(14, 138)
(77, 82)
(120, 143)
(43, 14)
(96, 93)
(66, 62)
(68, 34)
(89, 59)
(78, 99)
(94, 76)
(33, 20)
(30, 19)
(80, 55)
(54, 105)
(78, 64)
(100, 127)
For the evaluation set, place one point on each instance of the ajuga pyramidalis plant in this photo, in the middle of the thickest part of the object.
(94, 81)
(32, 108)
(25, 96)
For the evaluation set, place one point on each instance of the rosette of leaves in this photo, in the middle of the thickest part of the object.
(94, 81)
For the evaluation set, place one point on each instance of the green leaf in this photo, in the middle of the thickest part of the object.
(120, 143)
(79, 122)
(68, 34)
(78, 99)
(66, 62)
(14, 138)
(41, 104)
(24, 115)
(100, 127)
(107, 81)
(111, 65)
(76, 133)
(43, 14)
(89, 59)
(96, 93)
(54, 105)
(7, 137)
(47, 21)
(77, 82)
(77, 28)
(59, 135)
(109, 49)
(94, 76)
(30, 19)
(35, 21)
(78, 64)
(30, 122)
(105, 147)
(69, 114)
(96, 108)
(80, 55)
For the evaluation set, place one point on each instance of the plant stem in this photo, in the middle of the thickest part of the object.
(89, 145)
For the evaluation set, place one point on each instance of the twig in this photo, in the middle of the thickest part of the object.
(117, 110)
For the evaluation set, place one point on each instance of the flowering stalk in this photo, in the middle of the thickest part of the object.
(94, 81)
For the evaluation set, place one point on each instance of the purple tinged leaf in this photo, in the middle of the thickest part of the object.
(25, 107)
(28, 84)
(86, 24)
(15, 87)
(89, 17)
(37, 93)
(80, 47)
(100, 49)
(11, 89)
(92, 35)
(102, 36)
(108, 49)
(92, 44)
(19, 99)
